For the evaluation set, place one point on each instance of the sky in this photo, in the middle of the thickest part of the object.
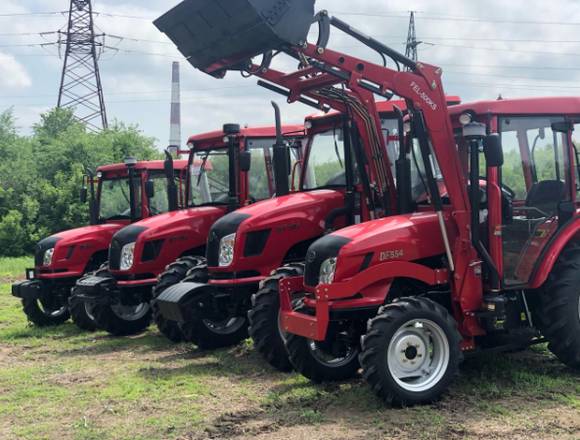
(486, 48)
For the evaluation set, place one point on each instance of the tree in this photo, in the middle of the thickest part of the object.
(40, 175)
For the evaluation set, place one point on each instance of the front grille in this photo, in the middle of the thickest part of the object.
(256, 242)
(151, 250)
(115, 254)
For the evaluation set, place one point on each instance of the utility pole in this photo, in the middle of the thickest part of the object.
(80, 86)
(412, 43)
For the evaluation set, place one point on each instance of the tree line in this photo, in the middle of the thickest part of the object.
(41, 174)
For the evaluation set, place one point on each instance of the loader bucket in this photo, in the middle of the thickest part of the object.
(217, 35)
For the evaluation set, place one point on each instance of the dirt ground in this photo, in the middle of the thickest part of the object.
(61, 383)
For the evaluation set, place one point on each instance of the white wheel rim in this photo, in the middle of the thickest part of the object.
(281, 331)
(418, 355)
(225, 327)
(130, 313)
(89, 309)
(52, 313)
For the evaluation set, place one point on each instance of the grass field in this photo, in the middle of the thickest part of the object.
(61, 383)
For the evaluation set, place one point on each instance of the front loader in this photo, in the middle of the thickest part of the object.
(118, 195)
(227, 169)
(490, 255)
(345, 178)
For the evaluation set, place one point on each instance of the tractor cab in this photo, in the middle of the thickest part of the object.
(538, 177)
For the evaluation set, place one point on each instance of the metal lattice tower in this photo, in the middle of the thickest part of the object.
(412, 43)
(80, 87)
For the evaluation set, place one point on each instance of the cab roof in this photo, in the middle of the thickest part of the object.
(215, 138)
(521, 106)
(382, 107)
(154, 165)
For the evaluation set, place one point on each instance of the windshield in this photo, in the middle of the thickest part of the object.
(325, 166)
(210, 177)
(114, 203)
(261, 176)
(159, 203)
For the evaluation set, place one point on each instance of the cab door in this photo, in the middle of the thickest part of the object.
(537, 174)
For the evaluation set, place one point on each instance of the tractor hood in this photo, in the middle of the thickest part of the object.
(407, 237)
(285, 220)
(187, 228)
(71, 243)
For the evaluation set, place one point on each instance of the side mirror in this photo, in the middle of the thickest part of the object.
(150, 189)
(84, 195)
(493, 150)
(245, 159)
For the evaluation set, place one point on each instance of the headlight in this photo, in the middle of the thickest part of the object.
(327, 270)
(47, 258)
(127, 256)
(227, 250)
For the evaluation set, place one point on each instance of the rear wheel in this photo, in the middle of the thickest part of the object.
(264, 318)
(560, 308)
(47, 311)
(82, 313)
(411, 352)
(192, 269)
(334, 359)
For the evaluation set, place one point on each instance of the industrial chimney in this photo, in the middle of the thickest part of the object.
(175, 131)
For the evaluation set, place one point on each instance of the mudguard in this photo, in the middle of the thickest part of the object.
(30, 289)
(175, 302)
(94, 289)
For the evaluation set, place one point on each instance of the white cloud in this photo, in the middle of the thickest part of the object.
(13, 75)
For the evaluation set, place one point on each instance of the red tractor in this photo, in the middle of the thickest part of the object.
(228, 169)
(489, 260)
(124, 194)
(329, 191)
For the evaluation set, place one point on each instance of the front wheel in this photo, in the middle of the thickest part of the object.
(186, 269)
(46, 312)
(210, 332)
(83, 312)
(120, 320)
(411, 352)
(264, 317)
(334, 359)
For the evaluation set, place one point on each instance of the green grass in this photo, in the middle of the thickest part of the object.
(13, 268)
(61, 383)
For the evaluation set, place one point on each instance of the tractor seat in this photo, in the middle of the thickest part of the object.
(546, 195)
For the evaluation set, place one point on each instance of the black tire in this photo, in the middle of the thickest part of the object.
(44, 314)
(175, 273)
(387, 327)
(560, 308)
(82, 313)
(342, 350)
(207, 334)
(264, 317)
(108, 318)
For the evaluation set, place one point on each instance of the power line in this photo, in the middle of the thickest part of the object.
(463, 19)
(24, 14)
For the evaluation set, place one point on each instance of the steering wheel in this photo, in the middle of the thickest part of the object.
(504, 188)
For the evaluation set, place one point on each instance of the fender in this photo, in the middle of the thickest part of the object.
(382, 272)
(569, 232)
